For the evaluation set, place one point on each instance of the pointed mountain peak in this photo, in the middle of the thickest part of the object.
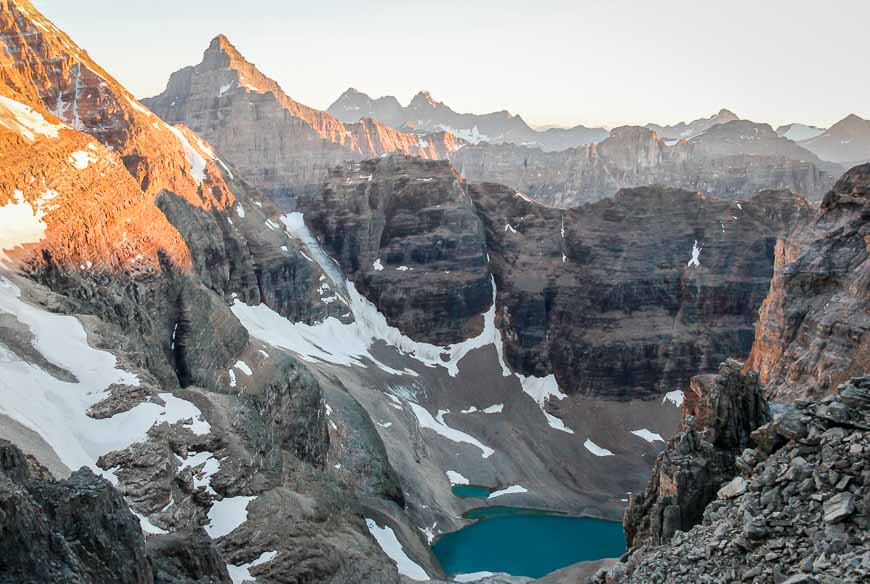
(727, 114)
(852, 120)
(353, 92)
(221, 45)
(423, 97)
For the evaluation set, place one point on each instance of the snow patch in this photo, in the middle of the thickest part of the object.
(648, 435)
(595, 449)
(541, 389)
(243, 367)
(425, 419)
(696, 256)
(226, 515)
(456, 478)
(388, 541)
(26, 121)
(80, 159)
(378, 266)
(242, 574)
(240, 211)
(20, 224)
(512, 490)
(675, 397)
(197, 162)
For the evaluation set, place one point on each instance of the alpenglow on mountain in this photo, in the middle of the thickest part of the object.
(245, 341)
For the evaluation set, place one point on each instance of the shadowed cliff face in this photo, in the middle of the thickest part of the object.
(813, 330)
(731, 161)
(631, 296)
(407, 234)
(280, 145)
(624, 298)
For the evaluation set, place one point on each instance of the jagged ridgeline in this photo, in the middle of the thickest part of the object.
(243, 339)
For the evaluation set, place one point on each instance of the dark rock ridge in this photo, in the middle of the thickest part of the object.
(798, 511)
(606, 295)
(424, 114)
(686, 130)
(732, 160)
(407, 234)
(280, 145)
(81, 530)
(847, 142)
(813, 329)
(719, 414)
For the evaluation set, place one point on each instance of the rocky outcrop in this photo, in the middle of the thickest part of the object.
(187, 556)
(813, 329)
(798, 511)
(407, 234)
(607, 296)
(424, 114)
(280, 145)
(79, 529)
(732, 160)
(719, 414)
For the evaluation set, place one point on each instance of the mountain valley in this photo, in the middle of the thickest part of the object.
(246, 340)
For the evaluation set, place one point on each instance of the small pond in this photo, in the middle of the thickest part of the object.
(471, 491)
(524, 542)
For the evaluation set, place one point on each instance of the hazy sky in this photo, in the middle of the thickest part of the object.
(552, 61)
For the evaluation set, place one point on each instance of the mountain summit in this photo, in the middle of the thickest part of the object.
(229, 101)
(846, 142)
(684, 130)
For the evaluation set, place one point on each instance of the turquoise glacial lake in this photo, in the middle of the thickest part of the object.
(471, 491)
(529, 543)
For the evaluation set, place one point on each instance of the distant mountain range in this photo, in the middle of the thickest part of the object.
(684, 131)
(731, 161)
(425, 114)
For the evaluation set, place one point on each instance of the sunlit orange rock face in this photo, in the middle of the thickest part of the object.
(278, 144)
(813, 330)
(103, 213)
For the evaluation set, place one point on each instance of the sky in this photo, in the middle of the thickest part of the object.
(555, 62)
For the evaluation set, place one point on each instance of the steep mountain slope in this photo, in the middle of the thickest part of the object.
(149, 240)
(799, 132)
(280, 145)
(424, 114)
(687, 130)
(847, 142)
(731, 160)
(813, 330)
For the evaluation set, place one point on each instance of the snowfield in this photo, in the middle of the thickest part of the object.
(56, 409)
